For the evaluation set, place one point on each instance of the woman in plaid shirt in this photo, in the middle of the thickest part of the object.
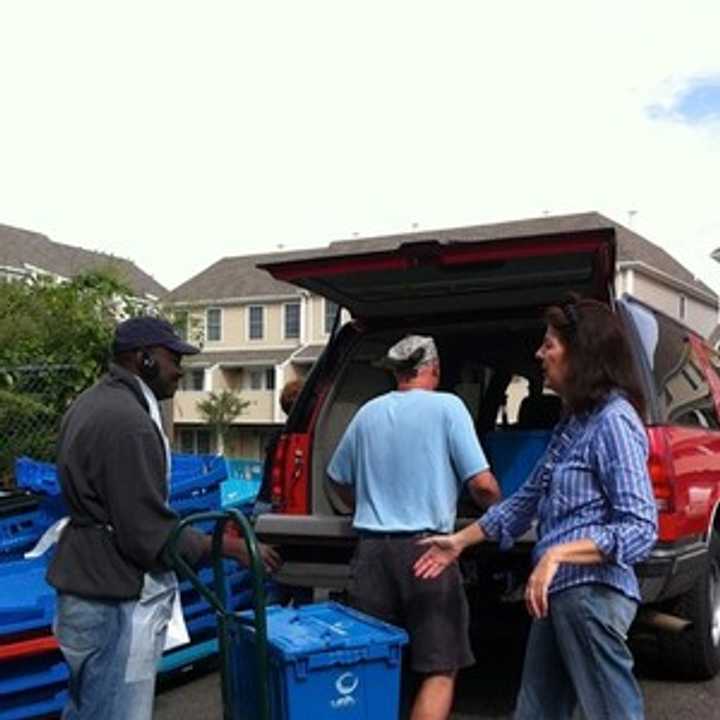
(592, 498)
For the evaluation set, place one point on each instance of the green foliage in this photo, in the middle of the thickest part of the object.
(17, 414)
(220, 409)
(54, 342)
(190, 326)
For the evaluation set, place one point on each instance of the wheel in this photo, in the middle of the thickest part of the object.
(694, 654)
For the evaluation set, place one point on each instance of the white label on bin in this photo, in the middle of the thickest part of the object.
(346, 685)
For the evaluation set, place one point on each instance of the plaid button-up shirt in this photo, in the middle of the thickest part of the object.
(591, 483)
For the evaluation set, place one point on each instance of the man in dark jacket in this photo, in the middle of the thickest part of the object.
(116, 591)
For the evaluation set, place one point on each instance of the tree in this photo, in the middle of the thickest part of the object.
(54, 342)
(219, 410)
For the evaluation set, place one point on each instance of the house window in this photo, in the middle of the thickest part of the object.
(261, 379)
(214, 324)
(292, 320)
(331, 309)
(682, 306)
(270, 379)
(196, 441)
(193, 379)
(256, 322)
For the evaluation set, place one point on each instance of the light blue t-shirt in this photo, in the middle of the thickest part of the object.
(407, 454)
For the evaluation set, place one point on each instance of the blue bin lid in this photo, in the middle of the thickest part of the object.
(323, 627)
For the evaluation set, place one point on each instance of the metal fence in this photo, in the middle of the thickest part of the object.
(33, 399)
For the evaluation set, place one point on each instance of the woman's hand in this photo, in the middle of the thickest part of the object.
(538, 584)
(576, 552)
(443, 550)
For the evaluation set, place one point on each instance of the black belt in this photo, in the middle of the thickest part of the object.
(84, 524)
(394, 535)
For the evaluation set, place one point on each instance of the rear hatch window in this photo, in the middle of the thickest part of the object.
(444, 276)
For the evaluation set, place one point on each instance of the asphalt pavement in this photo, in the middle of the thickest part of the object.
(485, 692)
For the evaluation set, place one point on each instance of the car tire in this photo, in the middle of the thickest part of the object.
(694, 654)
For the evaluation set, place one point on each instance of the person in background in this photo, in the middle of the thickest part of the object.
(593, 500)
(288, 396)
(117, 594)
(402, 463)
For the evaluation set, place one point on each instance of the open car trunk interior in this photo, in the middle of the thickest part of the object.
(488, 363)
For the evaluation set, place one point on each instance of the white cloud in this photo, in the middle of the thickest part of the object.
(176, 133)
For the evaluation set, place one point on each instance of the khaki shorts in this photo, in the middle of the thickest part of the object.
(434, 612)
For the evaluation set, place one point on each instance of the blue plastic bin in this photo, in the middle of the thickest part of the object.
(326, 661)
(242, 469)
(513, 454)
(20, 532)
(27, 602)
(238, 493)
(38, 476)
(207, 474)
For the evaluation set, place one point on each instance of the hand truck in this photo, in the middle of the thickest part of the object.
(218, 600)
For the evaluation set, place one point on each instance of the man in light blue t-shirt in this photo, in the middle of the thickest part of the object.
(402, 463)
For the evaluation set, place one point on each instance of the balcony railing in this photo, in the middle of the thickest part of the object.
(260, 409)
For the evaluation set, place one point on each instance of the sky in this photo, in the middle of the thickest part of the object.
(175, 133)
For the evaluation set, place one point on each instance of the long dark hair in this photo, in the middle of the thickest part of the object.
(598, 353)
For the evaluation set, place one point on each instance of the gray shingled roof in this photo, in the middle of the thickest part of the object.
(631, 247)
(238, 277)
(19, 248)
(232, 277)
(238, 357)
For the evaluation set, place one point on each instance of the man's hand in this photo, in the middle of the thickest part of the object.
(443, 551)
(237, 548)
(269, 556)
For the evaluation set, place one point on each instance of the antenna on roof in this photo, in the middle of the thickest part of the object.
(631, 217)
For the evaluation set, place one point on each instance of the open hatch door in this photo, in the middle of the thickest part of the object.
(436, 276)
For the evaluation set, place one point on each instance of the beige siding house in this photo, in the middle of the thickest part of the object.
(259, 332)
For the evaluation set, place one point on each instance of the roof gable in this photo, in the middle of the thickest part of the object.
(22, 248)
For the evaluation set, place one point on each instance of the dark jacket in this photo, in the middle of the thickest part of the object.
(112, 468)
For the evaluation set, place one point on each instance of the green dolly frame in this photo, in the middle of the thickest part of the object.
(218, 600)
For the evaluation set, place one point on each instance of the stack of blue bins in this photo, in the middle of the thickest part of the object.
(33, 675)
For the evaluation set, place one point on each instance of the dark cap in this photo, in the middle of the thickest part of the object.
(143, 332)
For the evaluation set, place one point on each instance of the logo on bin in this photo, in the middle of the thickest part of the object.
(346, 685)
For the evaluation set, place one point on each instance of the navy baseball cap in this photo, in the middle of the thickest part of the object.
(143, 332)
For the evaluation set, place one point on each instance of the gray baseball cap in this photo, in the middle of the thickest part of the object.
(410, 353)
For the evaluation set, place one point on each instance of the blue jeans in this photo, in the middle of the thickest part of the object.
(109, 677)
(578, 654)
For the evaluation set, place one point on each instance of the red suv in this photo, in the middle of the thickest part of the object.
(482, 297)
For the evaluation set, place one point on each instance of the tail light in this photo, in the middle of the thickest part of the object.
(290, 473)
(661, 471)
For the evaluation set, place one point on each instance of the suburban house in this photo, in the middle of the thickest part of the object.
(25, 254)
(259, 333)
